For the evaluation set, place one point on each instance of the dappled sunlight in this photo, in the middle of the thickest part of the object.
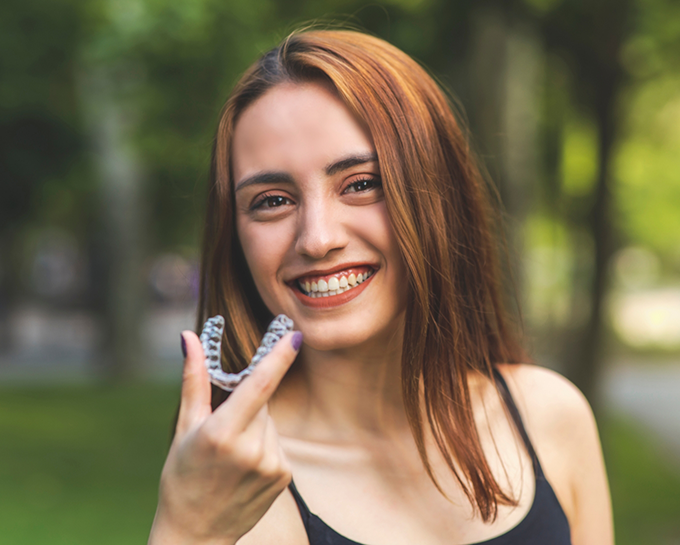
(648, 318)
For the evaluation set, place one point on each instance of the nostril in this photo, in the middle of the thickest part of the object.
(317, 242)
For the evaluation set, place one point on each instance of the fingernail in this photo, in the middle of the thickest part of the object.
(296, 341)
(184, 345)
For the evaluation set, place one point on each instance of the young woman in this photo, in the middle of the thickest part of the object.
(344, 195)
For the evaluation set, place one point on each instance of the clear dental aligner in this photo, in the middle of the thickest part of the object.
(211, 339)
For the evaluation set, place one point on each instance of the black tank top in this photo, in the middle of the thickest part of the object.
(544, 524)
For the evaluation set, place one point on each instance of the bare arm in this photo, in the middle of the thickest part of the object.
(591, 512)
(562, 427)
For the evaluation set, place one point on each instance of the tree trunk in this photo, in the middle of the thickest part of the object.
(121, 240)
(505, 62)
(586, 363)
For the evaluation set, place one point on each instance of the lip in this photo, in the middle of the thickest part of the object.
(332, 270)
(334, 300)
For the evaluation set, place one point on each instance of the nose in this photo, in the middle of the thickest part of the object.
(320, 230)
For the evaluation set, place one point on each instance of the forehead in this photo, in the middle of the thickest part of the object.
(298, 128)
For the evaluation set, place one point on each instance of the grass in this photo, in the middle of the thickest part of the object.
(645, 486)
(80, 465)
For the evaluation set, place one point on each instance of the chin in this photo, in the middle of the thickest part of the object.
(359, 329)
(325, 343)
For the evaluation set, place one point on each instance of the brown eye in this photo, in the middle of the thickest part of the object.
(271, 201)
(365, 184)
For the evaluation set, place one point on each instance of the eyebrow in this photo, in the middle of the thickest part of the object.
(330, 169)
(265, 178)
(349, 162)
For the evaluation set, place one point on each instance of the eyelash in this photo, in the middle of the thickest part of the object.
(376, 183)
(264, 198)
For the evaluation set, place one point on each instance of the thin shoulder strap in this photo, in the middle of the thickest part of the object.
(302, 506)
(517, 419)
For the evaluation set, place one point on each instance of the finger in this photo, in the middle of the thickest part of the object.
(256, 428)
(195, 400)
(254, 392)
(274, 464)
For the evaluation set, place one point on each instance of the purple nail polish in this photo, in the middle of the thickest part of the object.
(184, 345)
(296, 341)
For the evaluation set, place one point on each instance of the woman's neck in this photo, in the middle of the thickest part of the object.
(343, 393)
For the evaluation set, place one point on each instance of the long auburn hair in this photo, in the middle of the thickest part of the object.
(440, 210)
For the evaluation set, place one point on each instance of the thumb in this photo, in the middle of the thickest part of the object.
(195, 399)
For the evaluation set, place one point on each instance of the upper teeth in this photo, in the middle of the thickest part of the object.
(334, 286)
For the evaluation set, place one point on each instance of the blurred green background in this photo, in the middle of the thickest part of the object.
(107, 113)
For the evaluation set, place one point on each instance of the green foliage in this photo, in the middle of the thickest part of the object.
(548, 270)
(580, 161)
(647, 166)
(39, 139)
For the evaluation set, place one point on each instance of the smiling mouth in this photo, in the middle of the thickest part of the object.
(330, 285)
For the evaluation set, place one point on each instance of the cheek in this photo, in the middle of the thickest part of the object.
(377, 229)
(264, 248)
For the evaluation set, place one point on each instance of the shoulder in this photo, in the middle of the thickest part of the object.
(562, 428)
(556, 414)
(547, 399)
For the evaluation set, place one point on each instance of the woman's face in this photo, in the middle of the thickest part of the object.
(311, 217)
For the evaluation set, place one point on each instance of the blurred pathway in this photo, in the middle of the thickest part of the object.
(649, 394)
(57, 346)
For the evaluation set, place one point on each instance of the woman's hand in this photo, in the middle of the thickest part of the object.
(224, 469)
